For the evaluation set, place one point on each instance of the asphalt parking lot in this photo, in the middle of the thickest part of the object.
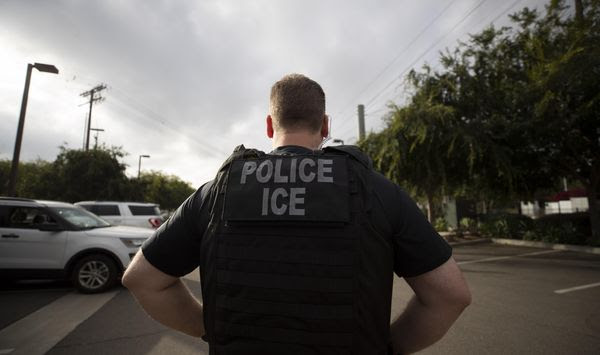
(525, 301)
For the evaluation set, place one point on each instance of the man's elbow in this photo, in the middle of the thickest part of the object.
(142, 278)
(461, 298)
(132, 277)
(129, 279)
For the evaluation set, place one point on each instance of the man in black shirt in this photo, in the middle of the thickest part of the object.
(297, 249)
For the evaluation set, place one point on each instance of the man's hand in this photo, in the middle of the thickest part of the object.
(440, 297)
(164, 297)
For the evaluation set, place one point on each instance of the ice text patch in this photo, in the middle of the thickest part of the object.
(287, 188)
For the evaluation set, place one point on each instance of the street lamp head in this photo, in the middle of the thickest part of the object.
(48, 68)
(144, 156)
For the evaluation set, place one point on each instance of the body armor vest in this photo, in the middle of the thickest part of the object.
(282, 257)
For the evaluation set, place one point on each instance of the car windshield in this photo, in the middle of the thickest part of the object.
(80, 217)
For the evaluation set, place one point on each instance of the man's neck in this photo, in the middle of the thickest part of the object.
(302, 139)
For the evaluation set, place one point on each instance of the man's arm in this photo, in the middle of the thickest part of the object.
(164, 297)
(440, 297)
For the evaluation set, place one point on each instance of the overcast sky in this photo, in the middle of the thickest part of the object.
(187, 81)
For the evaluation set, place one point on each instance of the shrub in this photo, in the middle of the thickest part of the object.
(468, 225)
(440, 224)
(505, 226)
(572, 228)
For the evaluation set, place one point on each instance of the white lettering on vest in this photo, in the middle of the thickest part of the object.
(265, 204)
(248, 168)
(278, 177)
(302, 170)
(325, 166)
(296, 200)
(293, 170)
(280, 191)
(261, 175)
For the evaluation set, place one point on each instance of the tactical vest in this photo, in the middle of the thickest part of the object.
(283, 257)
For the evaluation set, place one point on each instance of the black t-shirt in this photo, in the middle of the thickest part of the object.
(175, 246)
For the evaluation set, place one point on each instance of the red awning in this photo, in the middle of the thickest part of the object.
(567, 195)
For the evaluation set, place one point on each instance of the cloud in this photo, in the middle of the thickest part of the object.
(189, 80)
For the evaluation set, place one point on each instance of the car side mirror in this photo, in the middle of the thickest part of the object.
(50, 227)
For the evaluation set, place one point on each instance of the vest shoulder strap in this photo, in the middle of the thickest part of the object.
(352, 151)
(241, 152)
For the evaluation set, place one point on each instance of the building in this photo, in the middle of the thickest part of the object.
(570, 201)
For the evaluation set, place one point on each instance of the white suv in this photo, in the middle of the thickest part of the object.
(48, 239)
(137, 214)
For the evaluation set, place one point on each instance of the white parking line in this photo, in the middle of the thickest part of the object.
(507, 257)
(577, 288)
(41, 330)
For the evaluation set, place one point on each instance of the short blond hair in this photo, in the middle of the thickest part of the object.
(297, 102)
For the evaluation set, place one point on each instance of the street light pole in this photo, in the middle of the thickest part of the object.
(12, 182)
(140, 163)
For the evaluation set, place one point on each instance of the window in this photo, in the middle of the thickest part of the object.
(105, 210)
(80, 217)
(23, 217)
(4, 214)
(138, 210)
(87, 207)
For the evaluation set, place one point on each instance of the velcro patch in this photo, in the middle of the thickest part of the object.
(288, 188)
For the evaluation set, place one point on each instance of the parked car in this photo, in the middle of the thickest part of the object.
(125, 213)
(51, 240)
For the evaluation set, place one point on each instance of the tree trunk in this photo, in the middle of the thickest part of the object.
(578, 12)
(594, 209)
(430, 208)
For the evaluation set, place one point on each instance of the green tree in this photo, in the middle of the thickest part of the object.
(516, 108)
(35, 178)
(416, 149)
(96, 174)
(168, 191)
(566, 78)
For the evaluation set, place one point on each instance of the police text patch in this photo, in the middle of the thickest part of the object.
(288, 188)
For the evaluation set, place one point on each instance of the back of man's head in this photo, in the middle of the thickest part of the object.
(297, 103)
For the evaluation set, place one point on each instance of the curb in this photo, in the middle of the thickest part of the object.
(471, 242)
(527, 243)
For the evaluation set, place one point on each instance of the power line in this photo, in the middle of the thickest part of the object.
(426, 51)
(149, 114)
(473, 9)
(510, 7)
(157, 118)
(398, 55)
(507, 9)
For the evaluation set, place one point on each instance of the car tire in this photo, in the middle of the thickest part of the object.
(94, 274)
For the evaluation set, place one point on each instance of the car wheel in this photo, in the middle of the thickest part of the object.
(94, 273)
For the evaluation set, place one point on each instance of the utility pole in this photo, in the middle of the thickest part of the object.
(361, 122)
(97, 130)
(92, 94)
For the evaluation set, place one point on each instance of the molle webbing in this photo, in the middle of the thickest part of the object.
(274, 285)
(286, 285)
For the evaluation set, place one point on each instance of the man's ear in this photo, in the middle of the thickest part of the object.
(269, 126)
(325, 127)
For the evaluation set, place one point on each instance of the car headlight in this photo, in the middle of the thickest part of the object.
(132, 242)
